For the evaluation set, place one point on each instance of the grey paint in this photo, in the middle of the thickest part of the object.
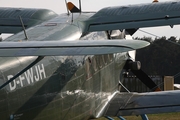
(69, 87)
(134, 16)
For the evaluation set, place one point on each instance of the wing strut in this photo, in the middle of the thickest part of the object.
(80, 8)
(22, 71)
(67, 7)
(23, 27)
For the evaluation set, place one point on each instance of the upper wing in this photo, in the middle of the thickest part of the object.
(64, 48)
(143, 103)
(10, 21)
(134, 16)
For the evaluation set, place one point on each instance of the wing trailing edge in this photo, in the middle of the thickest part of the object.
(65, 48)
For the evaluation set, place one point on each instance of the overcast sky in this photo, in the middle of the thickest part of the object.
(92, 5)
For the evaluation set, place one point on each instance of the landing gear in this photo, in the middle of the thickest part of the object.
(144, 117)
(109, 118)
(120, 117)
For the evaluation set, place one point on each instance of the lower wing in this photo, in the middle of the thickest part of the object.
(143, 103)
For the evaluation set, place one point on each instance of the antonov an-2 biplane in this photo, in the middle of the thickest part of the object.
(70, 66)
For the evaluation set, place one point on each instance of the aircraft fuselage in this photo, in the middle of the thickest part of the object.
(59, 87)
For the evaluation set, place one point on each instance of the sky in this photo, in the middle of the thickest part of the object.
(92, 5)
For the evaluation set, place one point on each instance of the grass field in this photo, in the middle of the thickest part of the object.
(165, 116)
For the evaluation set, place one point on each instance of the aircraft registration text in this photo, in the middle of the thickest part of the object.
(29, 77)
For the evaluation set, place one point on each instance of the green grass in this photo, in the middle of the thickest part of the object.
(164, 116)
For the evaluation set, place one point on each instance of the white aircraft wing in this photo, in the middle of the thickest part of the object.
(126, 104)
(134, 16)
(65, 48)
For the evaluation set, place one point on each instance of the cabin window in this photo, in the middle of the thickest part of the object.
(105, 59)
(110, 57)
(94, 64)
(89, 60)
(87, 67)
(99, 61)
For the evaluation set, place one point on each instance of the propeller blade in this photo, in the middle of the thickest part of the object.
(135, 68)
(144, 78)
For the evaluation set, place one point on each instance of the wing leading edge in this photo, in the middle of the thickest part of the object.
(126, 104)
(65, 48)
(134, 16)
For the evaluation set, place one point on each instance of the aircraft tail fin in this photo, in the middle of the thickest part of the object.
(73, 8)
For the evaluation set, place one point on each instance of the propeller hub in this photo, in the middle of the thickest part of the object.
(133, 65)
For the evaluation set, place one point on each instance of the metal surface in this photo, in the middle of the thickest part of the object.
(64, 48)
(144, 103)
(58, 86)
(135, 16)
(9, 18)
(73, 87)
